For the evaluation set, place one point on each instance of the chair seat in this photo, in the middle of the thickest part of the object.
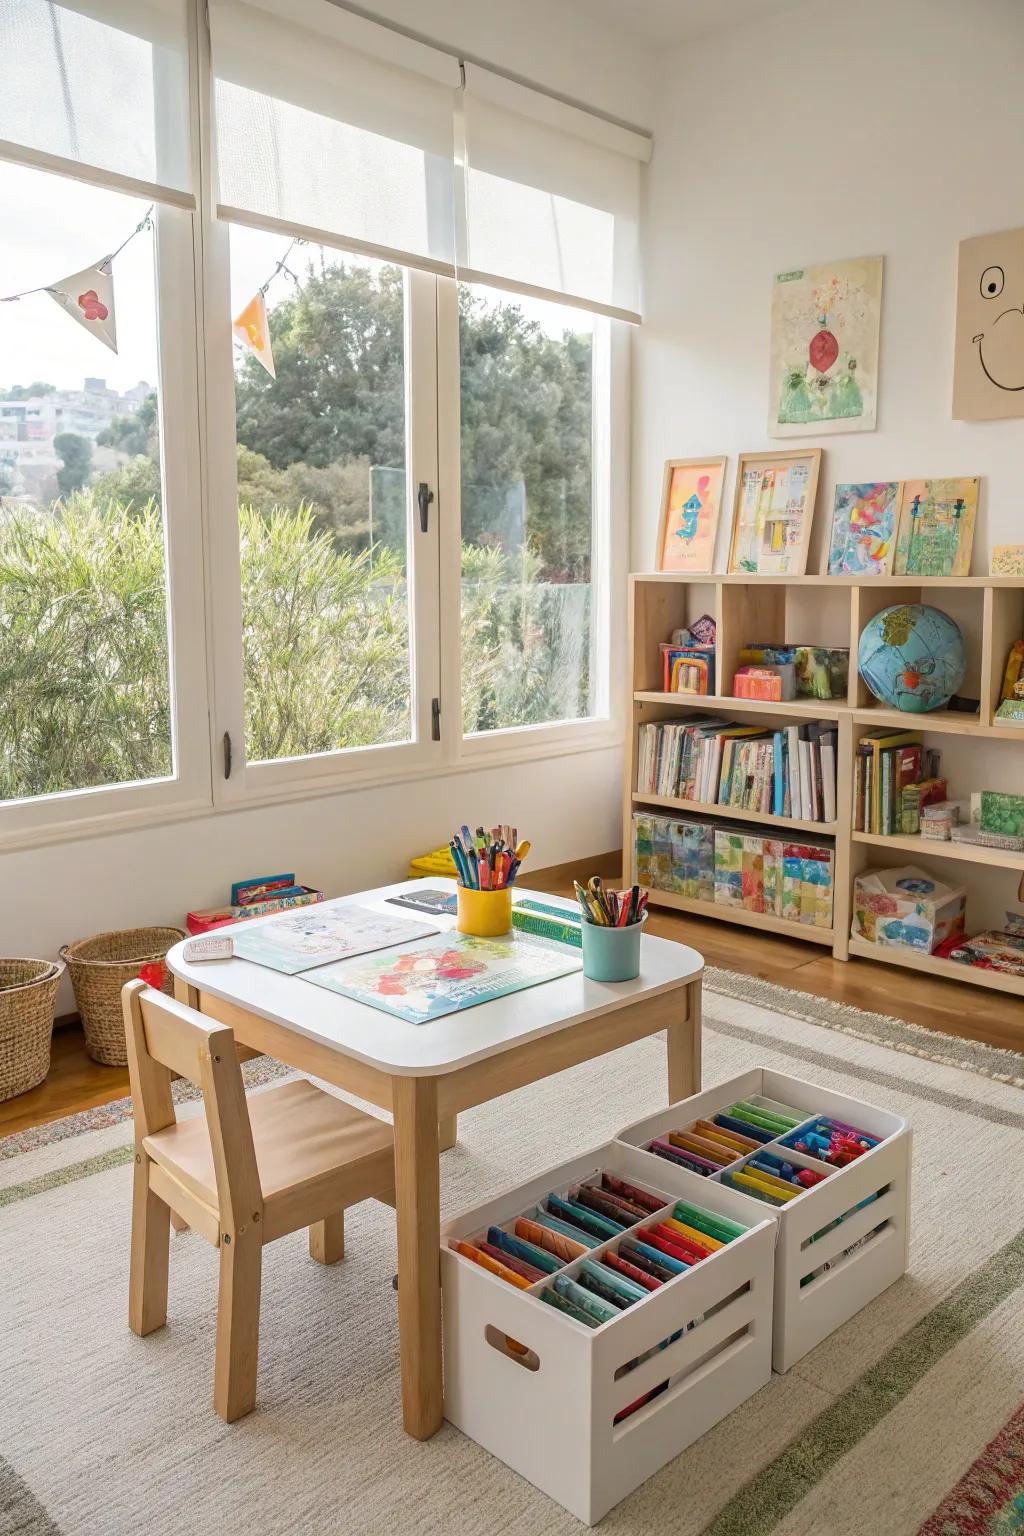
(302, 1137)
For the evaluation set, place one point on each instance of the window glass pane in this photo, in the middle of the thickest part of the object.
(84, 676)
(323, 502)
(527, 510)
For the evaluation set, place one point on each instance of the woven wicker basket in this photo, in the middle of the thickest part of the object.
(99, 968)
(28, 989)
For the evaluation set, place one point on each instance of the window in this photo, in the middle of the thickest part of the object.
(84, 660)
(527, 496)
(389, 550)
(323, 501)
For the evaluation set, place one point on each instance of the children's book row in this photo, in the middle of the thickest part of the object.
(736, 867)
(787, 772)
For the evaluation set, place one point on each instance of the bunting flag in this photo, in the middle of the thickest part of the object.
(252, 330)
(88, 297)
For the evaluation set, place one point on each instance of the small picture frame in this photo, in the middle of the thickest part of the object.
(691, 499)
(772, 512)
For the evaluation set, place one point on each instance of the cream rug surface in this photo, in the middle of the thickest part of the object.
(105, 1434)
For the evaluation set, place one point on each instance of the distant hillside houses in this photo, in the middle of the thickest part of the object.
(28, 426)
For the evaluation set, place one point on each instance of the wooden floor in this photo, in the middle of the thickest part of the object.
(76, 1083)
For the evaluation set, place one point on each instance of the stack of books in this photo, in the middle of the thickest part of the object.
(788, 772)
(895, 778)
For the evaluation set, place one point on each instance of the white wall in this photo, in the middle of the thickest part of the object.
(830, 130)
(569, 806)
(833, 130)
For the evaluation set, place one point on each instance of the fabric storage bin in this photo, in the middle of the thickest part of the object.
(832, 1258)
(540, 1390)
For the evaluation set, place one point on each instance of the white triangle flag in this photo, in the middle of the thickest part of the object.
(88, 297)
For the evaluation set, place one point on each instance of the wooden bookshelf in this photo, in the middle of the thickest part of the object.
(824, 610)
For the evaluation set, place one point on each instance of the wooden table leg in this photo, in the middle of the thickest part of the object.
(448, 1133)
(684, 1048)
(418, 1203)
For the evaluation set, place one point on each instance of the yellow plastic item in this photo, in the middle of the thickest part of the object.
(440, 862)
(485, 914)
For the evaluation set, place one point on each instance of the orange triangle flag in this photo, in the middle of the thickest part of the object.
(252, 330)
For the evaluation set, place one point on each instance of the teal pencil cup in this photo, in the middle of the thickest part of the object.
(612, 954)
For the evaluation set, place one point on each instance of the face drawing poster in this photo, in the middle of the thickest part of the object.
(988, 357)
(824, 348)
(446, 974)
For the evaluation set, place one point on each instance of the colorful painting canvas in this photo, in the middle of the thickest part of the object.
(863, 528)
(824, 348)
(433, 977)
(690, 502)
(772, 514)
(935, 532)
(988, 349)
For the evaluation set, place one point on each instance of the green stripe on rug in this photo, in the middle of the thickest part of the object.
(778, 1488)
(58, 1176)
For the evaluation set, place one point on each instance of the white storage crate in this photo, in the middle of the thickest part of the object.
(547, 1407)
(831, 1259)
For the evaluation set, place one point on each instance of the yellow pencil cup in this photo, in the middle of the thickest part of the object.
(486, 914)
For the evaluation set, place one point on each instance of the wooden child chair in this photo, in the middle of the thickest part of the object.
(248, 1171)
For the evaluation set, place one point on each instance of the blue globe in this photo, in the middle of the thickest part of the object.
(912, 657)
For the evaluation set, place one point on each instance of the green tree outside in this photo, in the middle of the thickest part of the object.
(76, 455)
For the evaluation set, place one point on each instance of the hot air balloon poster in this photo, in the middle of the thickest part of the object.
(824, 348)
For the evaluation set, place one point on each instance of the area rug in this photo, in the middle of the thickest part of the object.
(906, 1420)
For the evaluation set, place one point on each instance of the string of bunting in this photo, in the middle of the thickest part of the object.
(251, 326)
(88, 296)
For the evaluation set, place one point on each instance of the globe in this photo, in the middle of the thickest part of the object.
(912, 657)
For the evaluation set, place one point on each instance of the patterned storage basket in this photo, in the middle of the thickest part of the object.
(99, 968)
(28, 989)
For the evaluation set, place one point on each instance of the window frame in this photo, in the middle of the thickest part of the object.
(321, 772)
(66, 814)
(196, 388)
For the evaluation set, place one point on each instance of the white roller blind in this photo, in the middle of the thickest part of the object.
(335, 127)
(552, 197)
(100, 85)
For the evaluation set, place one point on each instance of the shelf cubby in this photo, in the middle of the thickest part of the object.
(990, 612)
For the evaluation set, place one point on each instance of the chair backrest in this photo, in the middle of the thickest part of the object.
(165, 1036)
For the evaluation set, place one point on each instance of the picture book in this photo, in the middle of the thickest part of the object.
(447, 973)
(321, 934)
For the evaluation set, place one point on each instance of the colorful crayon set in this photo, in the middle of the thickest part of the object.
(487, 861)
(610, 909)
(656, 1240)
(746, 1146)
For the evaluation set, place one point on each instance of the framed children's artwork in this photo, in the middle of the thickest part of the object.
(771, 521)
(691, 497)
(824, 348)
(935, 532)
(863, 528)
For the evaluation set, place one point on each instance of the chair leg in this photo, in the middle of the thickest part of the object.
(327, 1239)
(238, 1327)
(151, 1241)
(178, 1222)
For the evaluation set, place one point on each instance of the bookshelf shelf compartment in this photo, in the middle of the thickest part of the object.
(737, 813)
(934, 965)
(749, 609)
(766, 921)
(929, 848)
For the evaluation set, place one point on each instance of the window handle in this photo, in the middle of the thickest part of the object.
(424, 496)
